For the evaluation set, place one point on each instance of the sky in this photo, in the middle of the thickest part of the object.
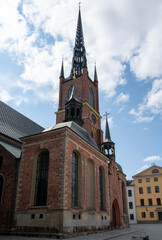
(123, 37)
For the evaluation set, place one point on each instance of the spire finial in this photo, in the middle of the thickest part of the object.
(79, 4)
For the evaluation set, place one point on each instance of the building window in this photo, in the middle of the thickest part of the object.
(139, 180)
(130, 205)
(158, 200)
(101, 182)
(148, 189)
(157, 189)
(142, 202)
(91, 98)
(91, 184)
(151, 214)
(1, 162)
(147, 179)
(74, 179)
(143, 214)
(155, 179)
(131, 216)
(129, 193)
(42, 179)
(150, 201)
(1, 187)
(141, 190)
(155, 171)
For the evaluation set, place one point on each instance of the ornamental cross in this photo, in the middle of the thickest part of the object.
(106, 114)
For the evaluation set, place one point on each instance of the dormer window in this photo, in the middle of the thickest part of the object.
(155, 171)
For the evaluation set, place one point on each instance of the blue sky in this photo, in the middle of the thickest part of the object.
(121, 36)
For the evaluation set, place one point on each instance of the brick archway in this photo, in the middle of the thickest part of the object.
(115, 214)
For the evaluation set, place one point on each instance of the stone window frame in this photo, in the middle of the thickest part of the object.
(142, 202)
(158, 201)
(151, 214)
(140, 190)
(148, 189)
(139, 180)
(130, 205)
(143, 214)
(157, 189)
(150, 203)
(129, 193)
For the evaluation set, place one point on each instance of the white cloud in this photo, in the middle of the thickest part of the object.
(152, 159)
(143, 168)
(152, 104)
(122, 98)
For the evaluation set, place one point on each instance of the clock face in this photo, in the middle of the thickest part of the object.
(93, 118)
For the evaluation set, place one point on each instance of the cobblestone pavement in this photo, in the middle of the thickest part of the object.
(153, 230)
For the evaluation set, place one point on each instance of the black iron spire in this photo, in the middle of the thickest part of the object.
(95, 74)
(79, 54)
(62, 69)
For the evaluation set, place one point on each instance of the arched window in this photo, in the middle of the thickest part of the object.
(72, 112)
(69, 92)
(155, 171)
(91, 98)
(1, 187)
(101, 187)
(41, 179)
(124, 198)
(91, 184)
(74, 179)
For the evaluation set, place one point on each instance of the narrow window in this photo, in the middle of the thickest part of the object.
(91, 184)
(150, 201)
(151, 214)
(130, 205)
(158, 200)
(131, 216)
(148, 189)
(139, 180)
(147, 179)
(143, 214)
(1, 187)
(74, 179)
(157, 189)
(129, 193)
(155, 179)
(141, 190)
(142, 202)
(42, 179)
(101, 182)
(91, 98)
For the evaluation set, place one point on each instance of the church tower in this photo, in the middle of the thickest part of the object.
(85, 91)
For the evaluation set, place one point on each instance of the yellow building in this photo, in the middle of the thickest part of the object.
(148, 191)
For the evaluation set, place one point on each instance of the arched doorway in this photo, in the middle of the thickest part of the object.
(115, 214)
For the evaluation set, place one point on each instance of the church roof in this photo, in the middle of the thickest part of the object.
(118, 166)
(77, 129)
(15, 151)
(15, 125)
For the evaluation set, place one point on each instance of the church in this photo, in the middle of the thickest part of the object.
(67, 179)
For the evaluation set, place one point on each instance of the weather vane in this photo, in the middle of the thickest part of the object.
(106, 114)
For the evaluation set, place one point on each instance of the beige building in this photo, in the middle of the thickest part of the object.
(148, 191)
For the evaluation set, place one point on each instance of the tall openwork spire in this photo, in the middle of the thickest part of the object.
(95, 74)
(107, 131)
(79, 55)
(62, 69)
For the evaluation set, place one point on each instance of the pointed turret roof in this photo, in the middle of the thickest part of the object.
(73, 94)
(107, 132)
(79, 54)
(95, 74)
(62, 69)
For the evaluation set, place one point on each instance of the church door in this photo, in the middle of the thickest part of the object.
(115, 214)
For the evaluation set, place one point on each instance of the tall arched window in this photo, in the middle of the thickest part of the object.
(124, 198)
(41, 179)
(1, 187)
(101, 186)
(74, 179)
(91, 98)
(91, 184)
